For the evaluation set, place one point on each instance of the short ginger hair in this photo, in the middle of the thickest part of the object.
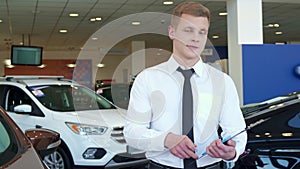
(190, 8)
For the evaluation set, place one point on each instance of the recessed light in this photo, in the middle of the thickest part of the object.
(278, 33)
(73, 14)
(222, 13)
(271, 25)
(135, 23)
(94, 19)
(63, 30)
(100, 65)
(280, 43)
(168, 2)
(42, 66)
(71, 65)
(215, 36)
(1, 20)
(7, 62)
(10, 66)
(95, 38)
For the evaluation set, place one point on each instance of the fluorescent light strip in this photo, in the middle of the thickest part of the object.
(135, 23)
(73, 14)
(168, 2)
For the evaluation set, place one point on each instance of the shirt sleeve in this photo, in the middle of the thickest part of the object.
(231, 119)
(137, 130)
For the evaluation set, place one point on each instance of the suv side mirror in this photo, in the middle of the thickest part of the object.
(44, 141)
(23, 108)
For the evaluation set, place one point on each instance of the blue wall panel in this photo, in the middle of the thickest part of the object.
(268, 71)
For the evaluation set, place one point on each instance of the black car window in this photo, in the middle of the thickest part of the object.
(15, 96)
(65, 98)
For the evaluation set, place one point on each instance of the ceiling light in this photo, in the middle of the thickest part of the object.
(1, 20)
(215, 36)
(63, 30)
(10, 66)
(95, 38)
(42, 66)
(100, 65)
(135, 23)
(73, 14)
(280, 43)
(71, 65)
(7, 62)
(271, 25)
(278, 33)
(94, 19)
(168, 2)
(222, 13)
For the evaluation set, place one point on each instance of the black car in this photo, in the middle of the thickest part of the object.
(275, 141)
(117, 93)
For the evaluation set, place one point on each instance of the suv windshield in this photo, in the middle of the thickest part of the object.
(69, 98)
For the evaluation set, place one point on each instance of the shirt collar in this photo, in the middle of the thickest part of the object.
(173, 65)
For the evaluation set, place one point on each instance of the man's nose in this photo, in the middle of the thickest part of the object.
(196, 38)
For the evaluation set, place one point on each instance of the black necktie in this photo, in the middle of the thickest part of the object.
(187, 113)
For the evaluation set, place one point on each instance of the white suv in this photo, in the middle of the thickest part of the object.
(91, 128)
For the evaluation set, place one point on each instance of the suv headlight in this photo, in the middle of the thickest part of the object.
(86, 129)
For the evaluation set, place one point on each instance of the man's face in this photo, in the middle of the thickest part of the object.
(189, 37)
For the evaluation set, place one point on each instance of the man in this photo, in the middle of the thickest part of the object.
(157, 108)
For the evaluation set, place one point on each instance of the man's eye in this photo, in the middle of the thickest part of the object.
(188, 30)
(202, 32)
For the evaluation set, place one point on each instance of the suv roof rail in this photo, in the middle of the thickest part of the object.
(9, 78)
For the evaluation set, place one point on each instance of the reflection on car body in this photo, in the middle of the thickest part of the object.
(19, 150)
(276, 142)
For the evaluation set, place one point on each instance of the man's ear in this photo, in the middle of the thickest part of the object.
(171, 30)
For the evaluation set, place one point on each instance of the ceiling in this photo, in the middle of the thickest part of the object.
(37, 22)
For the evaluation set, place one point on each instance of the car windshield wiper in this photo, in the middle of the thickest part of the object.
(263, 106)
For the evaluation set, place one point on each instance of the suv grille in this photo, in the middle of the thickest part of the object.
(117, 134)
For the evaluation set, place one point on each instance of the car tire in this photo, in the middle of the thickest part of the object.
(58, 160)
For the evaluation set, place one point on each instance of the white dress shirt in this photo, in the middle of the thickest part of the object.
(155, 108)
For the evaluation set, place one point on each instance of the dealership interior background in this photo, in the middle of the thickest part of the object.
(70, 31)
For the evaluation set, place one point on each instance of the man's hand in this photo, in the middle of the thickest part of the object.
(219, 150)
(180, 146)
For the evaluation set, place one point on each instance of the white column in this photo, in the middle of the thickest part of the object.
(244, 25)
(138, 57)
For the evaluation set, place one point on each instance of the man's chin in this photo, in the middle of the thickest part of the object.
(192, 55)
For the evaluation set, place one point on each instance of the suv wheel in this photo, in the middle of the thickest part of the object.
(58, 160)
